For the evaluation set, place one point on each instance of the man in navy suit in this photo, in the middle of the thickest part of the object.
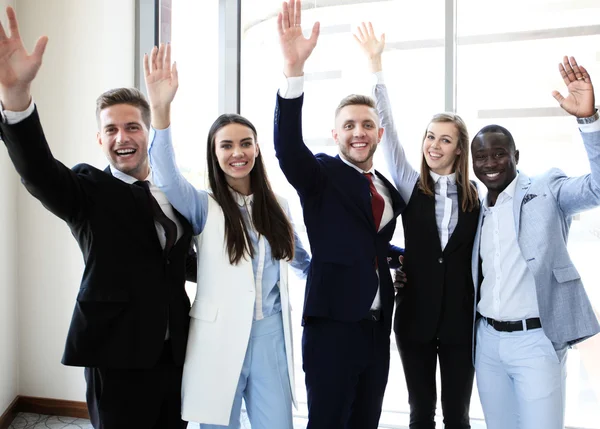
(349, 212)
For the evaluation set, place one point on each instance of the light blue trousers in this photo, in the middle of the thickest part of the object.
(521, 379)
(264, 384)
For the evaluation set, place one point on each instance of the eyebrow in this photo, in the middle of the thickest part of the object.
(442, 135)
(127, 124)
(245, 139)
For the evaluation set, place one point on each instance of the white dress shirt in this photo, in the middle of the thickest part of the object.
(508, 289)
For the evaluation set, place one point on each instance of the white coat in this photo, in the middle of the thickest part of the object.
(221, 320)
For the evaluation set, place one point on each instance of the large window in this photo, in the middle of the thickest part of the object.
(493, 62)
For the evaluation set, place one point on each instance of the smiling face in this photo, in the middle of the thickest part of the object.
(357, 134)
(495, 161)
(123, 137)
(440, 147)
(236, 150)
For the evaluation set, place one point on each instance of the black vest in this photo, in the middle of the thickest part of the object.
(437, 301)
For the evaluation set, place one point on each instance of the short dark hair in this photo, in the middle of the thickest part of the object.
(131, 96)
(496, 129)
(356, 100)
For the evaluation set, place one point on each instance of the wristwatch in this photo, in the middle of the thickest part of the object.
(589, 119)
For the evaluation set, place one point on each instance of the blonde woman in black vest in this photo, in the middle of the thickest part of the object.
(433, 320)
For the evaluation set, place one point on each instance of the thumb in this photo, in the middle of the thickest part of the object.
(558, 97)
(383, 38)
(40, 48)
(401, 259)
(315, 32)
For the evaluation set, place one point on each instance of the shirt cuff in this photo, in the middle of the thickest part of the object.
(292, 87)
(378, 78)
(11, 118)
(591, 127)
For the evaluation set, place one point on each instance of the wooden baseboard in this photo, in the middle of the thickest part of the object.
(49, 407)
(9, 415)
(52, 407)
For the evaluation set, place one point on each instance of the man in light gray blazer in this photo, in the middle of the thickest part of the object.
(529, 298)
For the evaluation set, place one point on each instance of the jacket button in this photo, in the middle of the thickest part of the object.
(441, 260)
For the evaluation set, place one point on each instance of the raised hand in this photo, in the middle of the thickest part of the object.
(370, 45)
(294, 46)
(161, 83)
(580, 100)
(17, 67)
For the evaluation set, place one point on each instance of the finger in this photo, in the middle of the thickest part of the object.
(160, 58)
(292, 10)
(382, 38)
(568, 69)
(298, 14)
(361, 31)
(585, 74)
(575, 67)
(370, 29)
(280, 24)
(13, 24)
(153, 55)
(558, 97)
(40, 48)
(146, 66)
(168, 64)
(401, 259)
(563, 74)
(174, 75)
(285, 16)
(357, 39)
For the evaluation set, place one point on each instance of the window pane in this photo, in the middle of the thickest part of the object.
(414, 67)
(507, 68)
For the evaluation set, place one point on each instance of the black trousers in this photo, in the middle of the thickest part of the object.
(136, 398)
(419, 361)
(346, 369)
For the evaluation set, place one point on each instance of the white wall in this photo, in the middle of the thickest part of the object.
(8, 273)
(90, 49)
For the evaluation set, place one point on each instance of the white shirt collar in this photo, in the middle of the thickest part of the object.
(242, 200)
(508, 193)
(360, 170)
(436, 177)
(126, 177)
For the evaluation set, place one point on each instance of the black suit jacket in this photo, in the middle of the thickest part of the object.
(129, 290)
(346, 247)
(437, 301)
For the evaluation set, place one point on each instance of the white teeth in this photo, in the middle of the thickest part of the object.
(238, 164)
(492, 174)
(358, 144)
(125, 151)
(435, 155)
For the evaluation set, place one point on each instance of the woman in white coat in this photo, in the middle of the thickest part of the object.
(240, 339)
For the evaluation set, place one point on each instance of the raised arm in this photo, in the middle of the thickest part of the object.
(58, 188)
(297, 162)
(162, 83)
(403, 174)
(575, 194)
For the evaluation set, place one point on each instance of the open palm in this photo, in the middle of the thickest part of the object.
(294, 46)
(580, 100)
(17, 67)
(161, 77)
(368, 42)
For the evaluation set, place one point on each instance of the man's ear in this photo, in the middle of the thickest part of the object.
(380, 134)
(98, 138)
(516, 156)
(334, 135)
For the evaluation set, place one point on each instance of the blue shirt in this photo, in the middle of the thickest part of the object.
(192, 203)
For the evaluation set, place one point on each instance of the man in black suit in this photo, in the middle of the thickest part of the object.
(350, 214)
(130, 323)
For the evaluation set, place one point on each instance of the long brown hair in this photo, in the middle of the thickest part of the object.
(469, 200)
(268, 217)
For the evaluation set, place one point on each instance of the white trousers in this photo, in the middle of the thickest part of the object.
(521, 379)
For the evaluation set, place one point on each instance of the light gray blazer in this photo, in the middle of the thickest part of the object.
(543, 209)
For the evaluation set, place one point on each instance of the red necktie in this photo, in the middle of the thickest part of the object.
(377, 202)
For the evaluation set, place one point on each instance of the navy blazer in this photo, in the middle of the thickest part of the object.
(346, 248)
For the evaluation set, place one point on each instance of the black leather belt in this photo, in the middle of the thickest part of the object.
(501, 326)
(373, 315)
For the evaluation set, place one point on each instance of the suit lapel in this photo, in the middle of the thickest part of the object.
(523, 184)
(398, 203)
